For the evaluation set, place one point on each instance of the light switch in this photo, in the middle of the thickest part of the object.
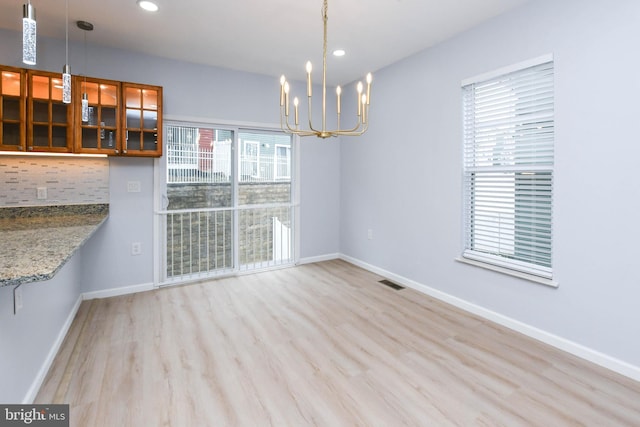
(133, 186)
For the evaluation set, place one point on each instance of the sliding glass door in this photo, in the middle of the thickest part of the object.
(228, 202)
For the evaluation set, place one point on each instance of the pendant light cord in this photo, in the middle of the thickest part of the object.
(66, 31)
(85, 60)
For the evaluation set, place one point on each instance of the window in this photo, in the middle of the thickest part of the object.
(282, 162)
(508, 168)
(250, 162)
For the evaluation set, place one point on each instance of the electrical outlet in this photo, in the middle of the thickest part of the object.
(41, 193)
(133, 186)
(17, 299)
(136, 248)
(370, 234)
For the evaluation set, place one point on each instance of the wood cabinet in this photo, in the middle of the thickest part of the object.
(142, 120)
(12, 109)
(101, 132)
(49, 120)
(124, 119)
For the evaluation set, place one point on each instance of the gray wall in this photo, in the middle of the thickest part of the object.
(403, 178)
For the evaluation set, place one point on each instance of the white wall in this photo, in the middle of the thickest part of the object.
(403, 179)
(320, 183)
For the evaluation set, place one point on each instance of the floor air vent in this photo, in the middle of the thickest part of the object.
(390, 284)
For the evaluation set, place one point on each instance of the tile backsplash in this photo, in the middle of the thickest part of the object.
(65, 180)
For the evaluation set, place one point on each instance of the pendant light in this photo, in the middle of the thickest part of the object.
(86, 27)
(28, 34)
(85, 105)
(66, 70)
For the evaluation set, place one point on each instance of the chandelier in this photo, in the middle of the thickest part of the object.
(363, 100)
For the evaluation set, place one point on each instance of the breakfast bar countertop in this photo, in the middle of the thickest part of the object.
(35, 242)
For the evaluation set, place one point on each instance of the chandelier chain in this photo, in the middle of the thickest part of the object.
(325, 18)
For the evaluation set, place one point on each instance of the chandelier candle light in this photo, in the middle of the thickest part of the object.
(363, 100)
(29, 34)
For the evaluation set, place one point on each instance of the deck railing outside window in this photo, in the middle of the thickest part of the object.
(190, 163)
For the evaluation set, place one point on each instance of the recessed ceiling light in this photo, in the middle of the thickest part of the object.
(148, 5)
(339, 52)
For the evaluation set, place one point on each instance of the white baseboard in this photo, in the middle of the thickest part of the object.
(327, 257)
(114, 292)
(556, 341)
(30, 397)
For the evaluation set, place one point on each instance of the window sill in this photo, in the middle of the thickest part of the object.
(518, 274)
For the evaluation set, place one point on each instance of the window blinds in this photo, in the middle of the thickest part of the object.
(508, 169)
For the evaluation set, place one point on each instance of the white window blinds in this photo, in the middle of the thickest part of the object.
(508, 169)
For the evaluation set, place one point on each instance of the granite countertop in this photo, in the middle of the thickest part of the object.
(36, 242)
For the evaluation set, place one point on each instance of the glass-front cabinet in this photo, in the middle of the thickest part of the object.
(98, 128)
(142, 120)
(12, 109)
(121, 119)
(49, 120)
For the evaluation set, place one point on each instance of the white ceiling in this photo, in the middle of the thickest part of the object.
(270, 37)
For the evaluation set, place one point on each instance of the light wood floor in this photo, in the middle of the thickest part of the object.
(318, 345)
